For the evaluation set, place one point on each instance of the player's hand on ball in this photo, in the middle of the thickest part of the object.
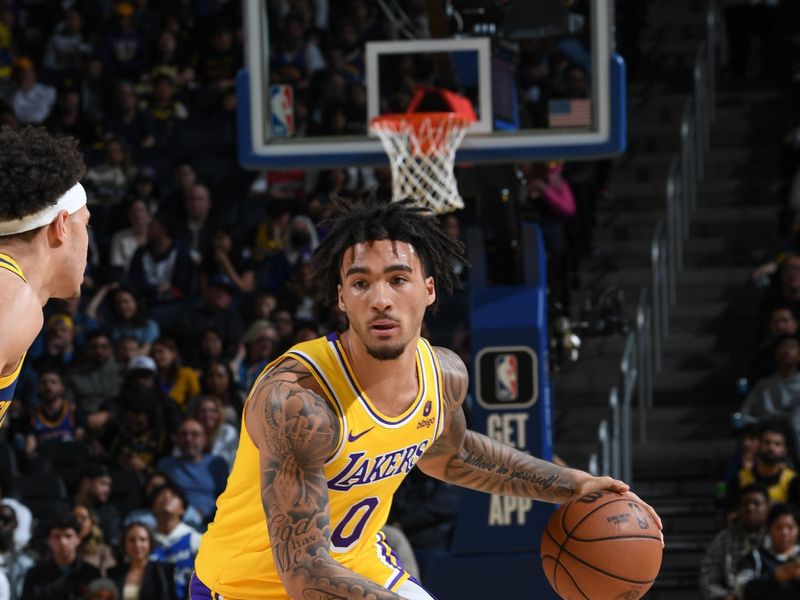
(596, 484)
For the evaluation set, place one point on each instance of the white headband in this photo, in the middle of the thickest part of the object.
(72, 200)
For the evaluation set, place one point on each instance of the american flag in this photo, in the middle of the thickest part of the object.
(576, 112)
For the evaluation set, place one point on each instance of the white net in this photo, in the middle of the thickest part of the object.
(422, 149)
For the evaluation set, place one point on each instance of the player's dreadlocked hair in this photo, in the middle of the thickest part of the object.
(377, 219)
(35, 170)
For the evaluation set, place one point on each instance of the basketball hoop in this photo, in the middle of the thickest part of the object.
(422, 150)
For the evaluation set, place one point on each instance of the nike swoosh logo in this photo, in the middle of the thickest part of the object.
(352, 438)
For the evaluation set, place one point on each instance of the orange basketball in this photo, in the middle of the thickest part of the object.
(602, 546)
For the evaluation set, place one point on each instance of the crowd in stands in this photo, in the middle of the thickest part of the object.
(757, 554)
(126, 418)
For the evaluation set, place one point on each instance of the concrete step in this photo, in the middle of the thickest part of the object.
(572, 423)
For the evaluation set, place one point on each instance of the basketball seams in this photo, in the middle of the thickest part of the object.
(555, 558)
(606, 573)
(575, 583)
(618, 537)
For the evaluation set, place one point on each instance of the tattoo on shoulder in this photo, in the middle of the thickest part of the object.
(454, 376)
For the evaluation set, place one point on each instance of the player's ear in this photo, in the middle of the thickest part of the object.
(57, 230)
(340, 300)
(430, 289)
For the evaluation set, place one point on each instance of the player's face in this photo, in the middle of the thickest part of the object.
(73, 264)
(384, 293)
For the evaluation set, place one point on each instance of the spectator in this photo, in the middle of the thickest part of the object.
(108, 181)
(23, 532)
(59, 341)
(746, 450)
(166, 111)
(124, 50)
(739, 538)
(155, 480)
(31, 101)
(63, 575)
(176, 542)
(93, 550)
(141, 439)
(126, 349)
(54, 419)
(222, 438)
(201, 475)
(14, 562)
(217, 313)
(210, 350)
(224, 263)
(139, 577)
(284, 327)
(773, 571)
(296, 57)
(125, 242)
(94, 489)
(160, 269)
(184, 178)
(782, 322)
(258, 348)
(175, 381)
(128, 315)
(218, 64)
(142, 381)
(218, 381)
(102, 589)
(68, 119)
(172, 59)
(785, 287)
(96, 381)
(67, 46)
(779, 395)
(194, 232)
(770, 469)
(127, 121)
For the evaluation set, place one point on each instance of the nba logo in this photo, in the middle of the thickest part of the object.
(427, 410)
(506, 377)
(281, 108)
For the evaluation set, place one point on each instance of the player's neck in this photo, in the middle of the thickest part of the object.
(376, 375)
(35, 263)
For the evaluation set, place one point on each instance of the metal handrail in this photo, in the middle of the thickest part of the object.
(629, 372)
(615, 435)
(644, 359)
(642, 356)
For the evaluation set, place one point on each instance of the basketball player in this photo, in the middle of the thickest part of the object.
(332, 427)
(43, 238)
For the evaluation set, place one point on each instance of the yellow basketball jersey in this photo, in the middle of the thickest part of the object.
(373, 455)
(8, 383)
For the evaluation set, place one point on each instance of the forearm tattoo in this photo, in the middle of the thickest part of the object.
(488, 465)
(475, 461)
(299, 432)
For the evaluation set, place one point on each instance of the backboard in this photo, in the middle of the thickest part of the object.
(543, 78)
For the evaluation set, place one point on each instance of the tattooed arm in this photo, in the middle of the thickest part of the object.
(478, 462)
(296, 431)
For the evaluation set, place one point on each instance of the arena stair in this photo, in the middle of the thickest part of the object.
(713, 326)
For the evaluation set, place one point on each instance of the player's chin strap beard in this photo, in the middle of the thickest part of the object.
(71, 201)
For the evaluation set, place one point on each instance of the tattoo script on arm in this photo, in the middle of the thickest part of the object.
(475, 461)
(296, 431)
